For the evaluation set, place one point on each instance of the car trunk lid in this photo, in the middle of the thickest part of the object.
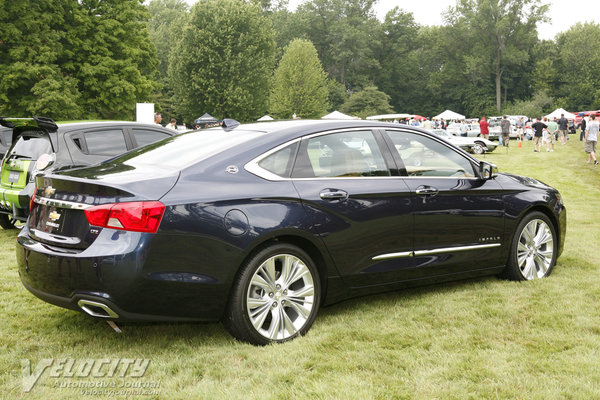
(58, 216)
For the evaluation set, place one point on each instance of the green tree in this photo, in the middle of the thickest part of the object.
(400, 75)
(299, 83)
(167, 18)
(578, 65)
(116, 61)
(369, 101)
(229, 52)
(500, 32)
(74, 59)
(345, 34)
(32, 50)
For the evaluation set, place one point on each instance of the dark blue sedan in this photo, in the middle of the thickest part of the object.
(260, 225)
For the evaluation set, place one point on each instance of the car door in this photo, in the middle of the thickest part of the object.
(359, 208)
(458, 217)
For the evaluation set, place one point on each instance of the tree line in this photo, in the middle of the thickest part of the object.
(81, 59)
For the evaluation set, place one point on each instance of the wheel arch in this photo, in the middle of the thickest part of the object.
(323, 265)
(544, 210)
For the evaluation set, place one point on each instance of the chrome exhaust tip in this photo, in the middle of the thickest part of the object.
(96, 309)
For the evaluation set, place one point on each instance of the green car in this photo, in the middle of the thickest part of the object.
(40, 145)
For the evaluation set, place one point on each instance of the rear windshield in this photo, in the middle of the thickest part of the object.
(183, 150)
(30, 148)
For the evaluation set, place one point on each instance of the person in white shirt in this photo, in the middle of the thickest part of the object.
(172, 124)
(591, 138)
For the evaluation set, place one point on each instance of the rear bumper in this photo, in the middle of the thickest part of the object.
(16, 201)
(116, 273)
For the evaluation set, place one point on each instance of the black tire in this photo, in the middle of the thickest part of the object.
(532, 257)
(273, 299)
(7, 221)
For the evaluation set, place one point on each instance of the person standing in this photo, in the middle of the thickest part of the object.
(591, 138)
(520, 128)
(157, 119)
(552, 131)
(464, 128)
(583, 125)
(484, 128)
(563, 126)
(505, 127)
(427, 124)
(538, 131)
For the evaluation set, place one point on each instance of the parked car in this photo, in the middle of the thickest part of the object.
(477, 145)
(582, 114)
(473, 129)
(38, 144)
(5, 140)
(261, 225)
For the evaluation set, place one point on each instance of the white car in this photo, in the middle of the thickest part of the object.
(473, 129)
(475, 145)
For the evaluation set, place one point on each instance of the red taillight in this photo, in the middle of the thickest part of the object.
(32, 200)
(137, 216)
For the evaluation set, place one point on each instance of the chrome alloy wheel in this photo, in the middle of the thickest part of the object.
(535, 249)
(280, 297)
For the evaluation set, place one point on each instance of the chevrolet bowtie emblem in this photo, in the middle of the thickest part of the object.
(49, 191)
(54, 216)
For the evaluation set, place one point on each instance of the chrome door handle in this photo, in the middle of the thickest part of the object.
(426, 191)
(333, 194)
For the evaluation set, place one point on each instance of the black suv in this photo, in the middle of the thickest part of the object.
(39, 144)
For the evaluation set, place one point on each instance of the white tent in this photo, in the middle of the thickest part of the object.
(337, 115)
(449, 115)
(389, 116)
(265, 118)
(556, 114)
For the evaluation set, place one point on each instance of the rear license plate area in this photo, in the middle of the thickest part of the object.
(13, 176)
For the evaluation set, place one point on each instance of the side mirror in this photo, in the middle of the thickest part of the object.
(487, 170)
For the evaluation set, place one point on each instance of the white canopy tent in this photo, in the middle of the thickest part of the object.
(338, 115)
(448, 114)
(265, 118)
(389, 116)
(556, 114)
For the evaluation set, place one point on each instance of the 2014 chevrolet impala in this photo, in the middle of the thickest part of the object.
(260, 225)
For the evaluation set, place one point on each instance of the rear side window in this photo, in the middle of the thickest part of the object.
(280, 162)
(30, 148)
(144, 137)
(105, 142)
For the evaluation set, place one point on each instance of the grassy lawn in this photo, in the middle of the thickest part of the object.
(478, 339)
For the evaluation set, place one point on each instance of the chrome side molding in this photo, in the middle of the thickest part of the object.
(434, 251)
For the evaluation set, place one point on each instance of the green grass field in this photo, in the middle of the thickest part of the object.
(477, 339)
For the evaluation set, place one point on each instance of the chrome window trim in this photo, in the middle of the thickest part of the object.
(435, 251)
(253, 167)
(61, 203)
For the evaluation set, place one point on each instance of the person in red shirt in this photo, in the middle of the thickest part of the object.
(485, 128)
